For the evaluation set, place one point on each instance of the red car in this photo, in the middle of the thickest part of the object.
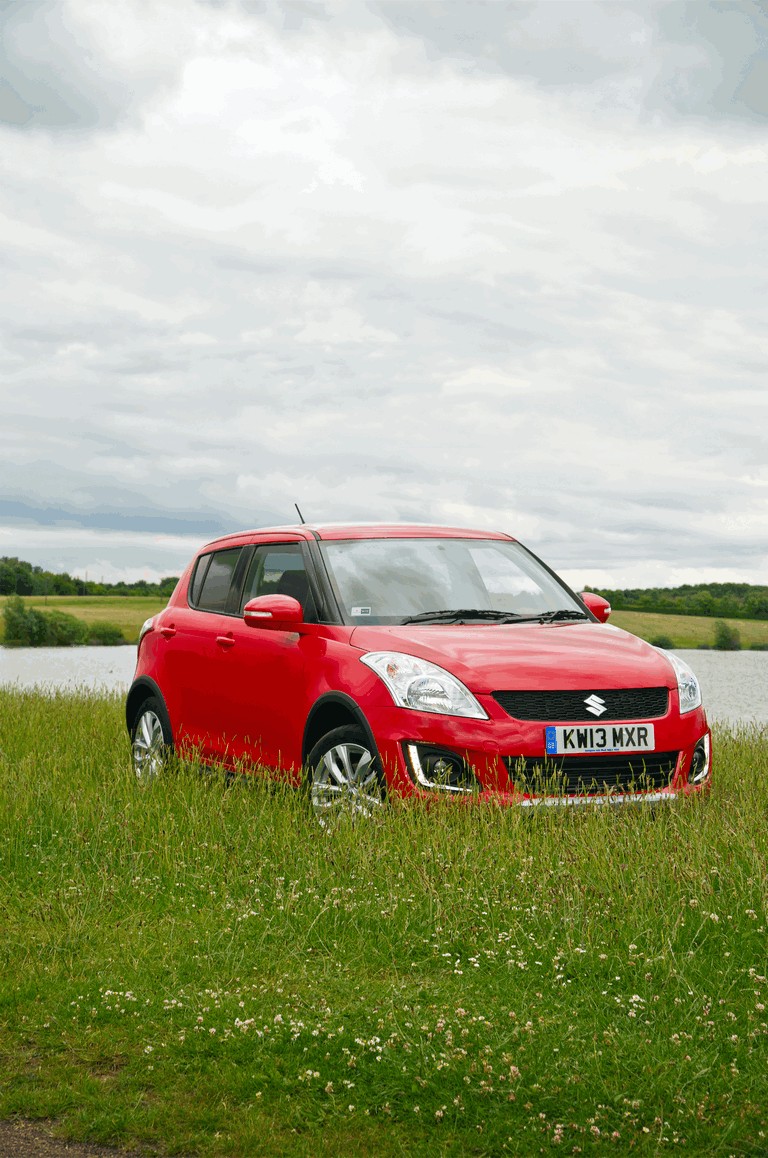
(427, 661)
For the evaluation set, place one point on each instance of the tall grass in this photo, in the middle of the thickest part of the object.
(193, 966)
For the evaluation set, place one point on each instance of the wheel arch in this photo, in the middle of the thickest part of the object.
(333, 710)
(141, 690)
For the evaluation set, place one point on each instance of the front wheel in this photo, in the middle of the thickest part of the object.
(345, 778)
(151, 741)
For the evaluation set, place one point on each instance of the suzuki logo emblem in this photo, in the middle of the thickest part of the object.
(595, 705)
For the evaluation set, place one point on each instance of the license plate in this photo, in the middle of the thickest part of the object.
(564, 741)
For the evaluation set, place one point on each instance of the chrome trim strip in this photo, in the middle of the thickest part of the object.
(575, 801)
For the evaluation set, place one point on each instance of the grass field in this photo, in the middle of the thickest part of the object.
(688, 630)
(193, 967)
(129, 612)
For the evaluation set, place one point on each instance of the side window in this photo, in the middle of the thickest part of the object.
(196, 585)
(278, 569)
(217, 580)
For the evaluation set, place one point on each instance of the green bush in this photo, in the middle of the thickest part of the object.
(28, 627)
(727, 638)
(63, 630)
(106, 634)
(662, 641)
(24, 627)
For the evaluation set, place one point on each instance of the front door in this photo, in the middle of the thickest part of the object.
(264, 706)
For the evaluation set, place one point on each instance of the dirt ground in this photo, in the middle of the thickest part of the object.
(21, 1139)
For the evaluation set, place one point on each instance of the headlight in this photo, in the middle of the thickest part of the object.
(687, 685)
(425, 687)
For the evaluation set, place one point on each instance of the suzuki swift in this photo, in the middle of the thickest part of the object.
(412, 660)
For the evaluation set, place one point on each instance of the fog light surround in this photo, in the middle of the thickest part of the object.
(439, 769)
(700, 761)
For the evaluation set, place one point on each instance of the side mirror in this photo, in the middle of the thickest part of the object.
(282, 612)
(599, 607)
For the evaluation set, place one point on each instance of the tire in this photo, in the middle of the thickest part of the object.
(151, 740)
(344, 778)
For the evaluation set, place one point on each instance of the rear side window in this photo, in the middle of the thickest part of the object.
(213, 579)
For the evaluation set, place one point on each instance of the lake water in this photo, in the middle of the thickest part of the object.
(734, 683)
(68, 668)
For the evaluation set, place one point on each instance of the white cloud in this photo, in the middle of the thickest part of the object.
(393, 268)
(340, 325)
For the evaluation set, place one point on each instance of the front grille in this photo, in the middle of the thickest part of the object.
(620, 704)
(591, 775)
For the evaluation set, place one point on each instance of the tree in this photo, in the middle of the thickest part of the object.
(727, 637)
(7, 578)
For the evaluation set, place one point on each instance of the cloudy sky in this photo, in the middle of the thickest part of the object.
(481, 263)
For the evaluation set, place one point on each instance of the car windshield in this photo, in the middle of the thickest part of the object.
(436, 580)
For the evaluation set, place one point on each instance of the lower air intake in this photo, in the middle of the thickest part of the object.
(591, 775)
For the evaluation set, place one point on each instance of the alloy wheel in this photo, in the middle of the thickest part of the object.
(149, 749)
(346, 783)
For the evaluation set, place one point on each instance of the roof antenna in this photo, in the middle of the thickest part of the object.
(298, 512)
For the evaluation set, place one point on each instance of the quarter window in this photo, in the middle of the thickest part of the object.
(196, 585)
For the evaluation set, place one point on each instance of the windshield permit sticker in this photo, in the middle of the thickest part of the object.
(360, 611)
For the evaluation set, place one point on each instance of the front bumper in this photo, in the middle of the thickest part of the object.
(492, 747)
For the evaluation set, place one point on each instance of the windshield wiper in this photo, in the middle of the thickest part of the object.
(465, 615)
(461, 615)
(563, 613)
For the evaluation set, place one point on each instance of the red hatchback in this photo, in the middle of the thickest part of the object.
(427, 661)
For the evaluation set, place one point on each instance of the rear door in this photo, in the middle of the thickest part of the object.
(198, 648)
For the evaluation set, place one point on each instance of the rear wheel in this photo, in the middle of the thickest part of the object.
(151, 741)
(345, 778)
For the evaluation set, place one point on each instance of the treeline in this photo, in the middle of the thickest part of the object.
(718, 600)
(18, 577)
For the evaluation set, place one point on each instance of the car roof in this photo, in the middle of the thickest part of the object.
(331, 531)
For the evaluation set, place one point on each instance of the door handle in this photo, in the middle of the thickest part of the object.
(225, 640)
(168, 632)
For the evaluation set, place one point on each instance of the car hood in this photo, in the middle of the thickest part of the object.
(517, 657)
